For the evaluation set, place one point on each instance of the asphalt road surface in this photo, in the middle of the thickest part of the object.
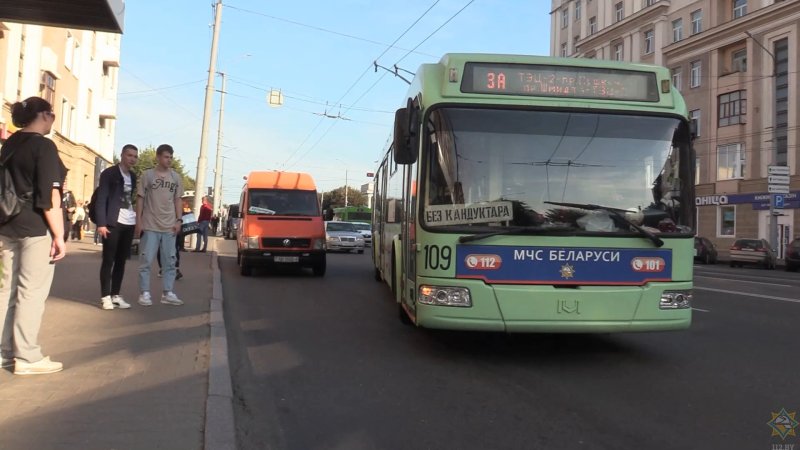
(324, 363)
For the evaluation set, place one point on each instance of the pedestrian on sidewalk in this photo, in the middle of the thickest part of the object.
(32, 240)
(158, 214)
(205, 218)
(116, 220)
(77, 222)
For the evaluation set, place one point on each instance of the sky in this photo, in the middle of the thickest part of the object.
(319, 54)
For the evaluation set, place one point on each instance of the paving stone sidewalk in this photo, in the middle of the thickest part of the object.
(132, 379)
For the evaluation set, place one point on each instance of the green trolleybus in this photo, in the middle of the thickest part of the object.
(538, 194)
(352, 214)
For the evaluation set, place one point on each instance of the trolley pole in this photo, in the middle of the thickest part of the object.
(218, 166)
(200, 179)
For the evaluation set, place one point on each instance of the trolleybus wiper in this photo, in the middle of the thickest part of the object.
(509, 230)
(616, 213)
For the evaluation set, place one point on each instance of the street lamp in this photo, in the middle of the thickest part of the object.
(773, 220)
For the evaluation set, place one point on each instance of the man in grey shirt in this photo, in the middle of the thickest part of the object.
(158, 213)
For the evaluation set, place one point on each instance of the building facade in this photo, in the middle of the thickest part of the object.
(736, 63)
(77, 72)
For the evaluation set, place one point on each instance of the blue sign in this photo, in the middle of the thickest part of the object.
(563, 265)
(779, 201)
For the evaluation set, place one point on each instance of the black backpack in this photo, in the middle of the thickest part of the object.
(10, 202)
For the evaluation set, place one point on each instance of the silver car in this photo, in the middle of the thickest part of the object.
(366, 230)
(343, 236)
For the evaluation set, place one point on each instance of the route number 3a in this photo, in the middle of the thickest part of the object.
(437, 258)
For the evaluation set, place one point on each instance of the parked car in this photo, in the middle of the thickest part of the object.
(366, 230)
(792, 257)
(704, 251)
(343, 236)
(753, 251)
(232, 222)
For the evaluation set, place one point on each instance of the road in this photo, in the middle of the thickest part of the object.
(324, 363)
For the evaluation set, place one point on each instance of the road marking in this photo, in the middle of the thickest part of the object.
(743, 281)
(771, 297)
(702, 310)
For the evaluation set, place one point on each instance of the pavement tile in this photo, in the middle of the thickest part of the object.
(133, 379)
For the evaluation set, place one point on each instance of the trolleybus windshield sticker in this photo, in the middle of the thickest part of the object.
(559, 81)
(439, 215)
(563, 265)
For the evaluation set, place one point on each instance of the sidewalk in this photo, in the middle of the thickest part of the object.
(132, 379)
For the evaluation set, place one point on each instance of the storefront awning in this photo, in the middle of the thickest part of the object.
(99, 15)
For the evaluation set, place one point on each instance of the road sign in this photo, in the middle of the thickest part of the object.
(778, 189)
(778, 179)
(779, 201)
(777, 170)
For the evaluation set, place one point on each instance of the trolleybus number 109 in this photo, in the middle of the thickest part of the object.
(437, 258)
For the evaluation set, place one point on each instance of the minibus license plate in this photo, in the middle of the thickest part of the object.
(287, 259)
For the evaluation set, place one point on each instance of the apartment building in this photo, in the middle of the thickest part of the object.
(736, 63)
(77, 72)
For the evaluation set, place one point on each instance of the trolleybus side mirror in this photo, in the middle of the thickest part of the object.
(693, 130)
(405, 134)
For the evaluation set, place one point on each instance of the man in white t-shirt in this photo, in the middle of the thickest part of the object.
(116, 221)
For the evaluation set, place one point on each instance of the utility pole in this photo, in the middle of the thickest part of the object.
(218, 166)
(200, 179)
(773, 220)
(346, 188)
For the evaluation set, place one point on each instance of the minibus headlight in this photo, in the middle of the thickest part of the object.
(676, 299)
(444, 296)
(319, 244)
(252, 241)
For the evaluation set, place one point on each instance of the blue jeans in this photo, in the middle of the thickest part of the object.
(150, 244)
(202, 235)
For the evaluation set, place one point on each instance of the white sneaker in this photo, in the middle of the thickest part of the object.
(170, 298)
(42, 366)
(145, 300)
(120, 302)
(7, 362)
(106, 302)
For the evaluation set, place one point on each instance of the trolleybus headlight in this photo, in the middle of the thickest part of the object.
(676, 300)
(252, 241)
(444, 296)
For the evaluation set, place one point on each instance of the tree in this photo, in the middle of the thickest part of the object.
(335, 198)
(147, 160)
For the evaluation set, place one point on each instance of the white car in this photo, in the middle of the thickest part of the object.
(343, 236)
(366, 231)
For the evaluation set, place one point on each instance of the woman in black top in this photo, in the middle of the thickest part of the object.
(31, 240)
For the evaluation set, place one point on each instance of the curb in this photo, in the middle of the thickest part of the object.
(220, 429)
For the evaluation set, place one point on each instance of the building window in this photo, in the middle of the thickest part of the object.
(592, 25)
(781, 52)
(696, 171)
(649, 42)
(677, 75)
(577, 10)
(89, 100)
(732, 108)
(47, 89)
(694, 74)
(575, 44)
(618, 51)
(739, 8)
(739, 61)
(697, 21)
(563, 49)
(726, 218)
(677, 30)
(69, 49)
(619, 12)
(649, 3)
(65, 116)
(694, 117)
(564, 18)
(730, 162)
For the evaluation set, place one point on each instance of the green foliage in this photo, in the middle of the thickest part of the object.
(147, 160)
(335, 198)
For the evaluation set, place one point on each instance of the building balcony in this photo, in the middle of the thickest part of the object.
(732, 81)
(107, 108)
